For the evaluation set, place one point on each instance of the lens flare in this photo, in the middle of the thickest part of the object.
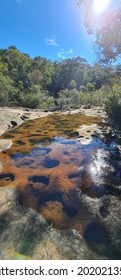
(100, 6)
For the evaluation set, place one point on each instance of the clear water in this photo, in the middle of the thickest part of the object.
(53, 171)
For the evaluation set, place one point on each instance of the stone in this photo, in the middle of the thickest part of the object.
(24, 233)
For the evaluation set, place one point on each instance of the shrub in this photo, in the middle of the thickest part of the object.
(8, 92)
(113, 105)
(30, 100)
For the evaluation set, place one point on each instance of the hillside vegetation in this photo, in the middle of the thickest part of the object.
(39, 83)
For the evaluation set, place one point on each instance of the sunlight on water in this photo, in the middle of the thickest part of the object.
(100, 167)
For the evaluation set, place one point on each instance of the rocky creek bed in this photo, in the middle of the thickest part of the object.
(66, 206)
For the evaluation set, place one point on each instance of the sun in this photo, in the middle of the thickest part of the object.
(100, 6)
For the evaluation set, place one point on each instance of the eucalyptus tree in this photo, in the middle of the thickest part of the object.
(106, 27)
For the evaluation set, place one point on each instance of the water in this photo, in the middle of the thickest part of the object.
(54, 171)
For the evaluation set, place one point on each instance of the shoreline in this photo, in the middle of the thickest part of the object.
(13, 117)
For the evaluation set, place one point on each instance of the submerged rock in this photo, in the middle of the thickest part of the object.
(24, 232)
(97, 238)
(106, 211)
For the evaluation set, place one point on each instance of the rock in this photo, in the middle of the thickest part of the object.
(86, 107)
(97, 238)
(1, 167)
(14, 123)
(12, 117)
(25, 233)
(5, 144)
(107, 212)
(104, 212)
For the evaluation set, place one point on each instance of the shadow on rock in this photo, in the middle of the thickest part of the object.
(98, 240)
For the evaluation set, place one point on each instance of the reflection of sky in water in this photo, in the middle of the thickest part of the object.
(100, 167)
(64, 144)
(92, 155)
(90, 160)
(55, 174)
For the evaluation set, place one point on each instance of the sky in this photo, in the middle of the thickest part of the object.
(49, 28)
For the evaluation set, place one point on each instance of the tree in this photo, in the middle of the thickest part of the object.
(35, 76)
(113, 105)
(72, 84)
(8, 92)
(46, 68)
(18, 64)
(107, 31)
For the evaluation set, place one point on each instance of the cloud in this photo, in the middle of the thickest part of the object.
(70, 51)
(51, 42)
(63, 54)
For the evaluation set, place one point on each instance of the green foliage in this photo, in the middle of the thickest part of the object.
(46, 69)
(73, 84)
(7, 91)
(69, 99)
(107, 30)
(30, 100)
(18, 64)
(3, 66)
(90, 87)
(113, 105)
(40, 83)
(37, 98)
(35, 77)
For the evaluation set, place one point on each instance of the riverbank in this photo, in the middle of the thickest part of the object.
(10, 117)
(13, 117)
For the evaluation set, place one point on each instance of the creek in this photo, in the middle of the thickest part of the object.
(63, 178)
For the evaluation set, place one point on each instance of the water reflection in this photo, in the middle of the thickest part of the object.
(100, 167)
(53, 169)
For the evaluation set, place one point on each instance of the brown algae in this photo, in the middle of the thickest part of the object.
(46, 163)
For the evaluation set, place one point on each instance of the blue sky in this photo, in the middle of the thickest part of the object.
(50, 28)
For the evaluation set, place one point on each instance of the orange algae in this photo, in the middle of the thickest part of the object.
(54, 214)
(46, 173)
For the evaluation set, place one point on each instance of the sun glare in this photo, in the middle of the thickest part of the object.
(100, 6)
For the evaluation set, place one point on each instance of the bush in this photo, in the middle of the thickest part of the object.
(8, 92)
(41, 100)
(113, 106)
(46, 102)
(69, 99)
(29, 100)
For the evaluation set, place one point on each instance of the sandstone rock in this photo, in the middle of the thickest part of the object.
(25, 233)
